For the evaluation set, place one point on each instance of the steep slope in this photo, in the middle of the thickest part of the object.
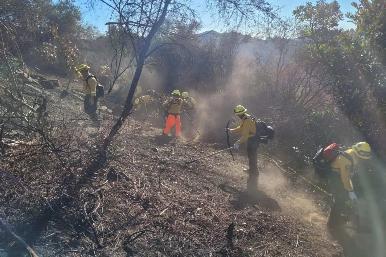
(147, 202)
(201, 209)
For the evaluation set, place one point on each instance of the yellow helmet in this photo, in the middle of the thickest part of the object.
(362, 150)
(239, 109)
(82, 67)
(185, 94)
(176, 92)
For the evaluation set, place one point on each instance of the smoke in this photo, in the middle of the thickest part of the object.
(246, 85)
(293, 201)
(150, 79)
(241, 86)
(251, 77)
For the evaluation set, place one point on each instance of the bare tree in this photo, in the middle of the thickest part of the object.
(141, 20)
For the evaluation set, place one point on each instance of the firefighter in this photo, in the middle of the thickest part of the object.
(150, 106)
(173, 107)
(146, 100)
(340, 183)
(189, 100)
(247, 130)
(90, 87)
(188, 116)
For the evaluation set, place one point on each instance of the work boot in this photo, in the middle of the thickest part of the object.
(166, 135)
(335, 220)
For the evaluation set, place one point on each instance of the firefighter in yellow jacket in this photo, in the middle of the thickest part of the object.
(189, 100)
(340, 183)
(146, 100)
(189, 115)
(173, 107)
(89, 87)
(247, 130)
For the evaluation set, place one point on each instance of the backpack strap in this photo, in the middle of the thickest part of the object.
(258, 128)
(89, 77)
(348, 157)
(254, 119)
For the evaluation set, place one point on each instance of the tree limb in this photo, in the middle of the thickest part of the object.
(6, 227)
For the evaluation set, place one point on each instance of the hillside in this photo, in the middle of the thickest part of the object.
(75, 182)
(147, 202)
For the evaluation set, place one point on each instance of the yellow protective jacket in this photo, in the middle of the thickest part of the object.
(174, 105)
(145, 100)
(190, 102)
(344, 167)
(247, 129)
(90, 85)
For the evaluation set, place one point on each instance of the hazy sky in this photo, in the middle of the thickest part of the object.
(100, 14)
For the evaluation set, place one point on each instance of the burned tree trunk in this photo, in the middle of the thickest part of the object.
(138, 71)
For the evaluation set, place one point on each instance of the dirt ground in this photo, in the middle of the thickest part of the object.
(146, 201)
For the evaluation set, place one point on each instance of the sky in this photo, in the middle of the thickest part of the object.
(99, 14)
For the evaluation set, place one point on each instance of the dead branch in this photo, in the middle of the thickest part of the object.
(16, 99)
(6, 227)
(90, 223)
(131, 238)
(2, 145)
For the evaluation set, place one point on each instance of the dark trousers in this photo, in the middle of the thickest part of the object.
(88, 107)
(252, 182)
(338, 205)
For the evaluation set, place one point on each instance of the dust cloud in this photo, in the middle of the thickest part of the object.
(294, 201)
(215, 109)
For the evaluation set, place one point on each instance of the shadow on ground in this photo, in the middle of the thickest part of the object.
(243, 199)
(162, 139)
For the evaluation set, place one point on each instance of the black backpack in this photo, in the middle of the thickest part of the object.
(100, 90)
(264, 133)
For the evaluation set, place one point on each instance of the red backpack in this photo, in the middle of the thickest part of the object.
(325, 156)
(331, 151)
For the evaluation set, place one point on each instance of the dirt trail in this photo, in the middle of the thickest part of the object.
(298, 200)
(147, 202)
(292, 211)
(294, 200)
